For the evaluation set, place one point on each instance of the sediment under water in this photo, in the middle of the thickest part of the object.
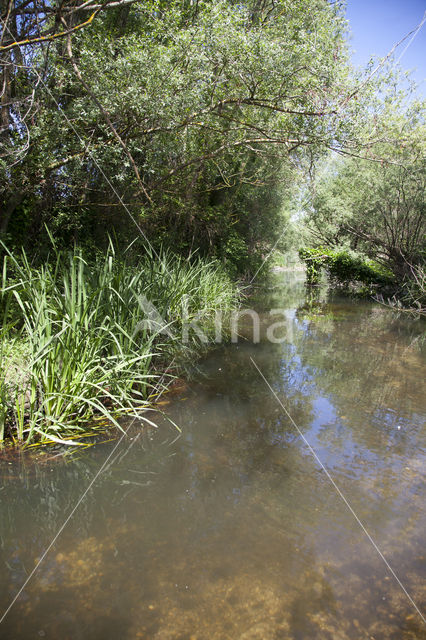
(233, 530)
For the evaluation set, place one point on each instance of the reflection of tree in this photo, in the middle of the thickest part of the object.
(234, 525)
(366, 359)
(368, 364)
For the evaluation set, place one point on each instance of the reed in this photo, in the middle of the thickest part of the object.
(68, 343)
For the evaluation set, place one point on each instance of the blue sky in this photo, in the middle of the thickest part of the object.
(377, 25)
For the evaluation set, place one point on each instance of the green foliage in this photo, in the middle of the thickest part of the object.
(314, 261)
(72, 345)
(342, 267)
(212, 101)
(375, 205)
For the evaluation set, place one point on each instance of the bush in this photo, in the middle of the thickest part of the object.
(343, 267)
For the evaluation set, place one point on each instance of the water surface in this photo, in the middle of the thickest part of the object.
(233, 530)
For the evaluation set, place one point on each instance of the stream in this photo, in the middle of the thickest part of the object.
(233, 528)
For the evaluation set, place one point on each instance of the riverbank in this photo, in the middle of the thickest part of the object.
(362, 276)
(83, 338)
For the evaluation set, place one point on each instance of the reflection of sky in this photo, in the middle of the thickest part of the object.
(325, 413)
(343, 431)
(325, 416)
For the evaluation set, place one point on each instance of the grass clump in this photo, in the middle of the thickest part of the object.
(74, 341)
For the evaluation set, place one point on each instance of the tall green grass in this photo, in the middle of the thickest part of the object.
(72, 345)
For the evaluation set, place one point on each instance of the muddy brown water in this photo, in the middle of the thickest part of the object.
(232, 529)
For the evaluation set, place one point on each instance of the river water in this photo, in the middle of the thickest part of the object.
(234, 529)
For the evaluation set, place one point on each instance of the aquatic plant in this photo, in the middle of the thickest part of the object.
(72, 342)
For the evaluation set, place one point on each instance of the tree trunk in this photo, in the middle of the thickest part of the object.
(6, 212)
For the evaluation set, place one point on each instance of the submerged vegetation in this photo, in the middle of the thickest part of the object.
(75, 342)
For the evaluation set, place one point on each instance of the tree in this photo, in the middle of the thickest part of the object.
(376, 205)
(179, 108)
(28, 30)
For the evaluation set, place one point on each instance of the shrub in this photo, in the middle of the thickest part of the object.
(343, 267)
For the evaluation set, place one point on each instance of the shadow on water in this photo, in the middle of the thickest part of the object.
(233, 530)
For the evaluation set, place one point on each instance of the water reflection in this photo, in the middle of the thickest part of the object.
(233, 530)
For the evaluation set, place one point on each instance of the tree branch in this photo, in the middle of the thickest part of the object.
(107, 119)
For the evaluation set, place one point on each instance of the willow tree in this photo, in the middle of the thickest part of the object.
(31, 33)
(376, 204)
(181, 110)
